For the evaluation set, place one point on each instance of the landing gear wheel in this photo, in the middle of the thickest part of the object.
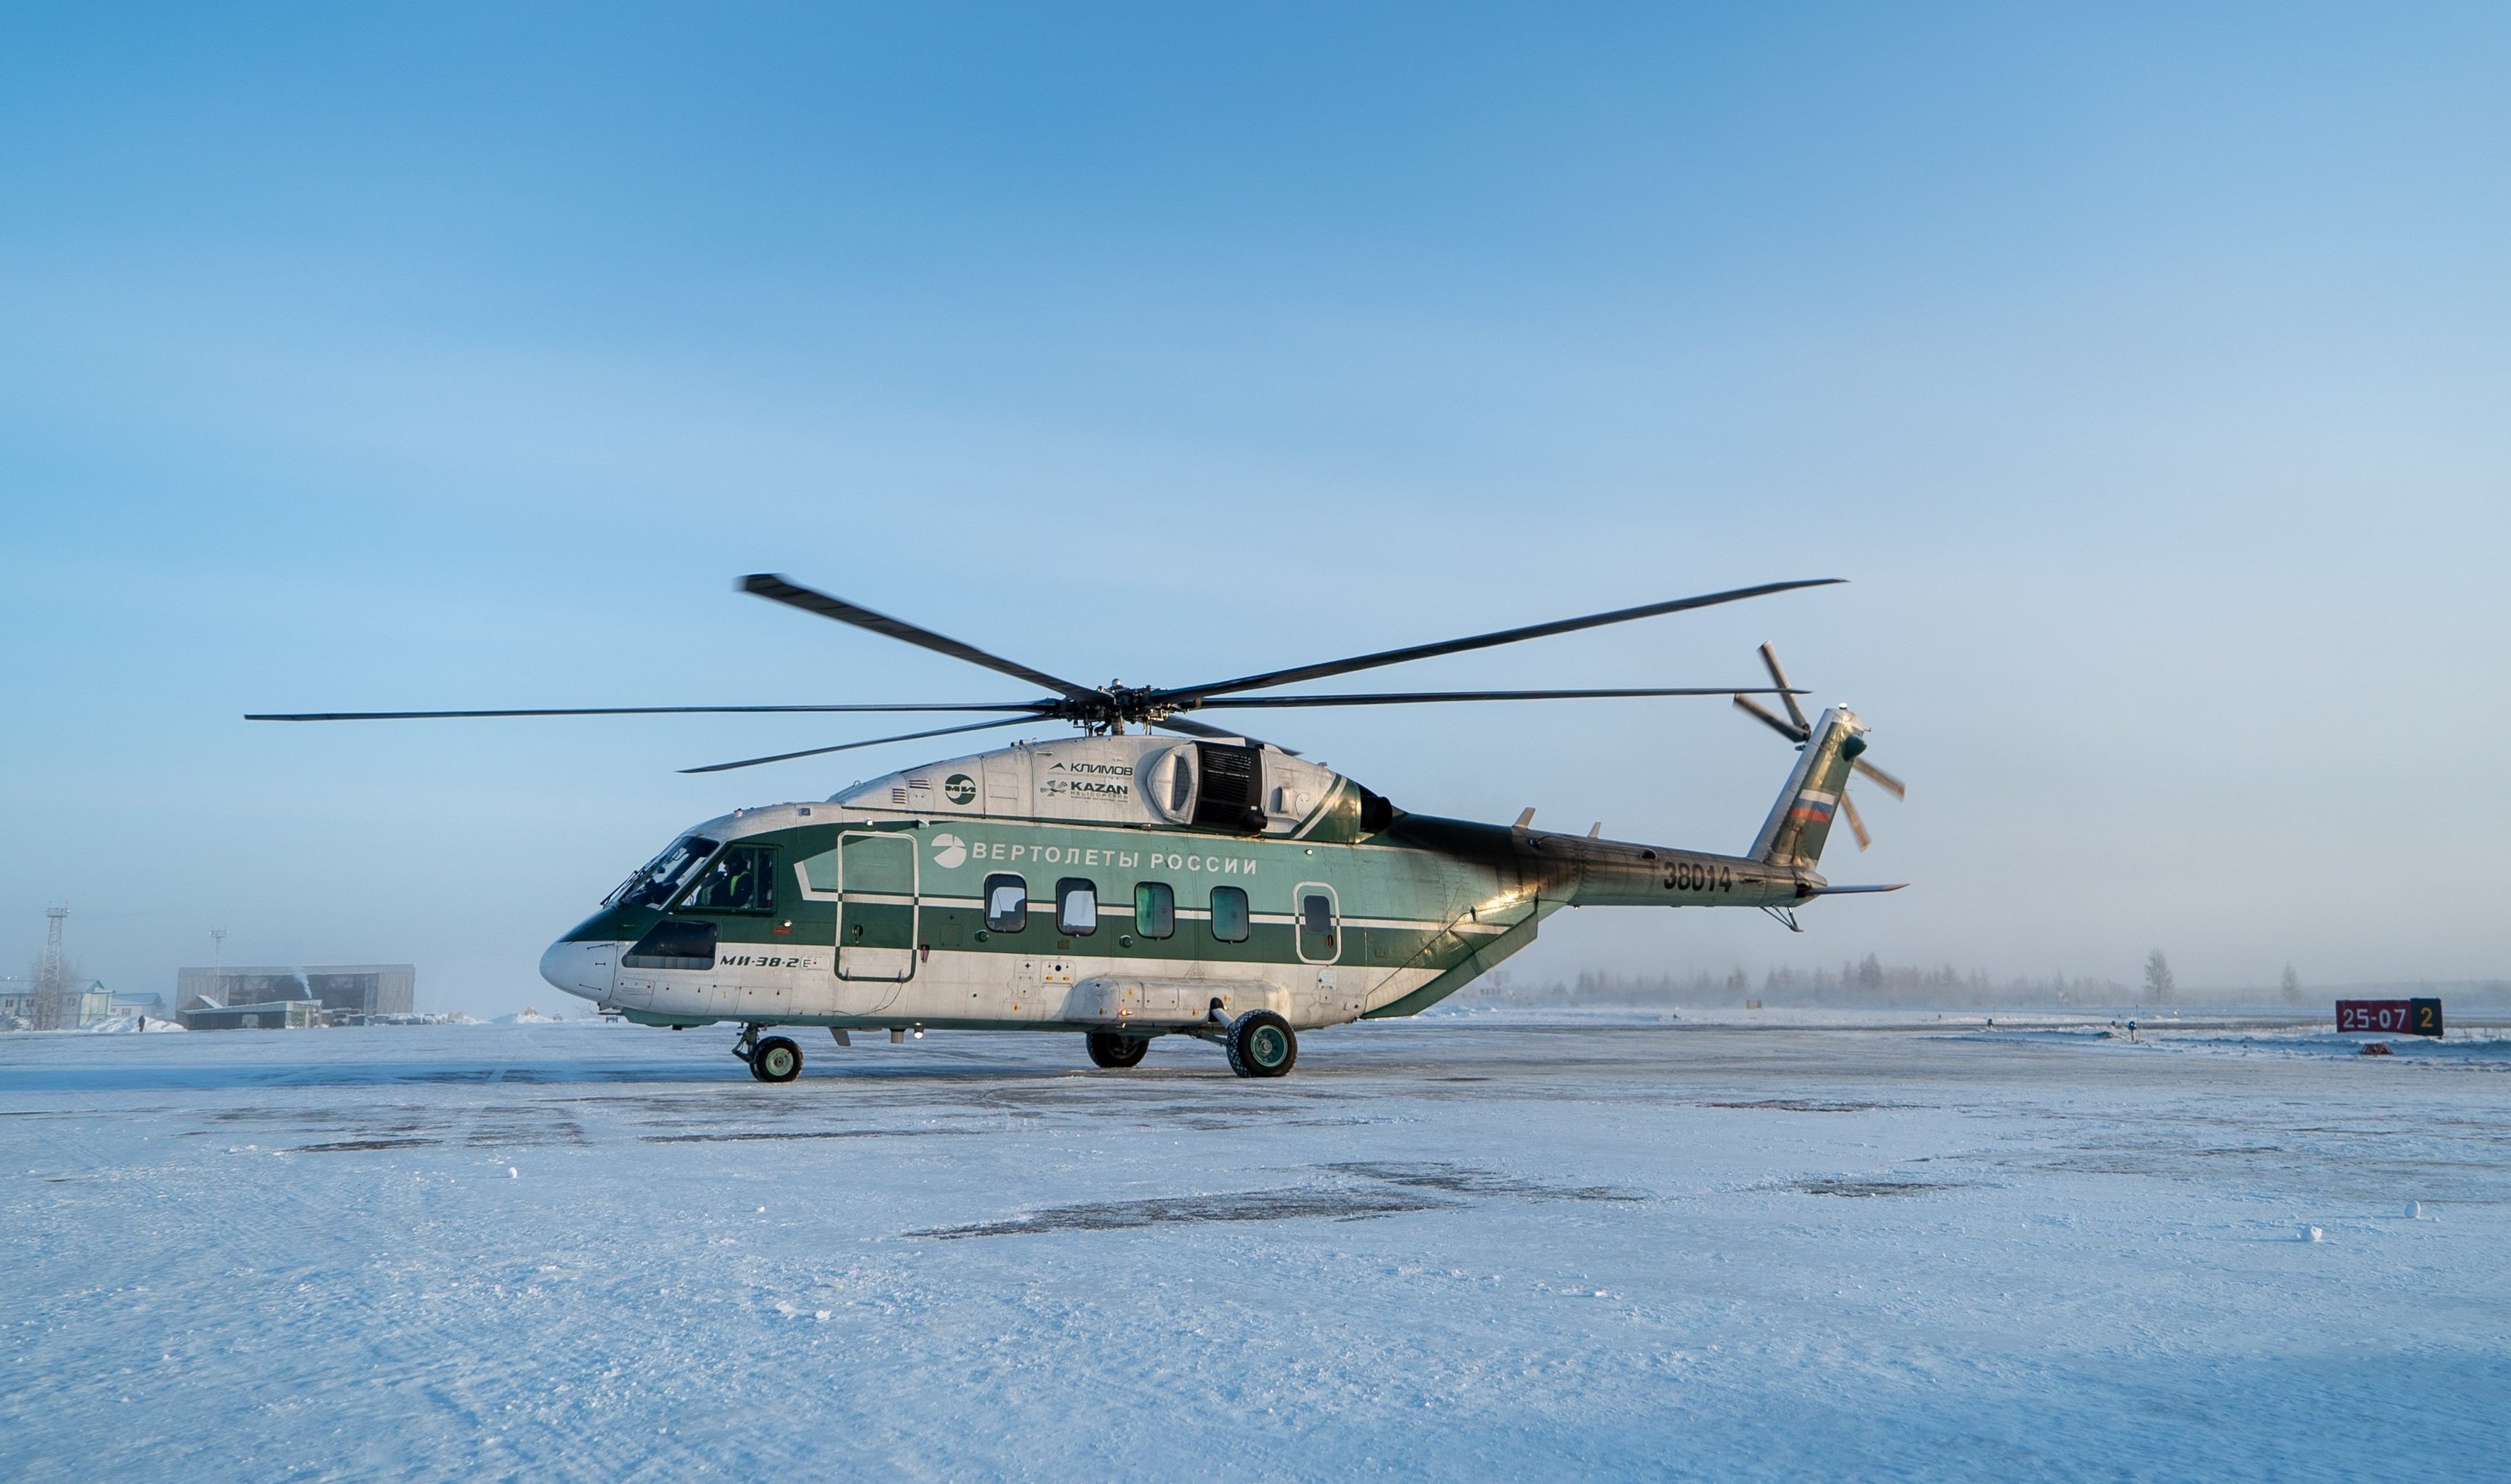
(776, 1060)
(1115, 1051)
(1260, 1045)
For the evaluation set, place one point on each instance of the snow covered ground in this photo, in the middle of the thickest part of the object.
(1500, 1244)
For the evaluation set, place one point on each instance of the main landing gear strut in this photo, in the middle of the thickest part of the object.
(774, 1059)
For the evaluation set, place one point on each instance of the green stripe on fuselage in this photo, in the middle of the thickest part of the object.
(1444, 895)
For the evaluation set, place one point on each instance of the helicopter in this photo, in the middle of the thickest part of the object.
(1154, 875)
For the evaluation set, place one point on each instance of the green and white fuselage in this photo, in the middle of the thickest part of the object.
(1129, 883)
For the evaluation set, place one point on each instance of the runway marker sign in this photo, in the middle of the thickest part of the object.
(2388, 1017)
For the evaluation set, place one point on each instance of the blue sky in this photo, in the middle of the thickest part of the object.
(2144, 369)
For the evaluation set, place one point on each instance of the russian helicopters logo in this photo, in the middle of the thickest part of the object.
(960, 788)
(950, 850)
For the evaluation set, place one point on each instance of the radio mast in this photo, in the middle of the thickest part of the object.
(49, 993)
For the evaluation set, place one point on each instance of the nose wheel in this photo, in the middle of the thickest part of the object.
(777, 1060)
(771, 1059)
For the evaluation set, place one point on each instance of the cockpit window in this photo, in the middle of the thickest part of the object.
(743, 878)
(670, 871)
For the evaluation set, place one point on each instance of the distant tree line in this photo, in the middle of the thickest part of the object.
(1871, 982)
(1867, 981)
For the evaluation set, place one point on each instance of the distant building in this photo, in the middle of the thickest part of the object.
(366, 988)
(81, 1007)
(238, 986)
(338, 990)
(277, 1015)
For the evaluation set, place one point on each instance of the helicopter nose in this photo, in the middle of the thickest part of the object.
(581, 970)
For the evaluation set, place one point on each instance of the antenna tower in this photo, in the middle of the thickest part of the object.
(217, 965)
(49, 1009)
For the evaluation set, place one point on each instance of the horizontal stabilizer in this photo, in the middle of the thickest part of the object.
(1836, 892)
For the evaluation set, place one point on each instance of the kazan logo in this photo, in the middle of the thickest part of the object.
(950, 850)
(960, 788)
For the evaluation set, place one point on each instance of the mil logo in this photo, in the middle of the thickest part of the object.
(960, 788)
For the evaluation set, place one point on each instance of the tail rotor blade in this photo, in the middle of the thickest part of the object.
(1787, 693)
(1856, 825)
(1882, 780)
(1762, 713)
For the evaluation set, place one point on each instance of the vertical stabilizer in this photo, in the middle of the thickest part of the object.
(1800, 821)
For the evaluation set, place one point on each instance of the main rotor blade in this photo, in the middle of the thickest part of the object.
(1197, 729)
(1414, 698)
(1478, 641)
(1779, 678)
(1882, 780)
(847, 747)
(1856, 825)
(1796, 735)
(794, 595)
(1037, 707)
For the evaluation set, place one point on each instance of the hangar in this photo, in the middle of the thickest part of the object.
(274, 997)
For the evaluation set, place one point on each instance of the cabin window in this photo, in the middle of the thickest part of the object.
(1155, 910)
(674, 944)
(743, 878)
(1006, 903)
(1230, 913)
(1316, 913)
(653, 886)
(1076, 907)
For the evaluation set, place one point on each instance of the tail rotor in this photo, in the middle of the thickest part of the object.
(1797, 729)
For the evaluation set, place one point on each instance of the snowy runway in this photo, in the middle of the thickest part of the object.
(1463, 1246)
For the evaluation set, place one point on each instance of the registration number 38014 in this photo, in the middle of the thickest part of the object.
(1699, 876)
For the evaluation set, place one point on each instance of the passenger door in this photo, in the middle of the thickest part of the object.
(877, 907)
